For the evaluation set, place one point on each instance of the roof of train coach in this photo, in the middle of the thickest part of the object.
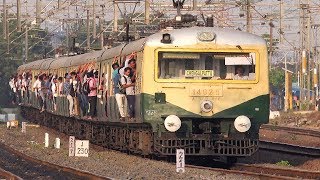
(124, 49)
(189, 36)
(34, 64)
(184, 36)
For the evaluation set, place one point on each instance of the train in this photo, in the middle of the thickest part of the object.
(201, 89)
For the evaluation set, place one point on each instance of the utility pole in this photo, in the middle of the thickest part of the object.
(271, 25)
(304, 33)
(68, 46)
(88, 29)
(38, 12)
(288, 86)
(4, 21)
(281, 20)
(26, 48)
(7, 33)
(94, 30)
(18, 15)
(101, 33)
(115, 17)
(249, 16)
(309, 54)
(316, 84)
(147, 12)
(194, 5)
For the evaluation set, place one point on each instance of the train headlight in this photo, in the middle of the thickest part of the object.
(206, 106)
(242, 123)
(172, 123)
(166, 38)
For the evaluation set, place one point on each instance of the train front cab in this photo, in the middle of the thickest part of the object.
(220, 114)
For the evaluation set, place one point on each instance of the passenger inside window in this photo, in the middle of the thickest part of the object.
(240, 74)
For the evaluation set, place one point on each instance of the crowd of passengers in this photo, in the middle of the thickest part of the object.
(80, 88)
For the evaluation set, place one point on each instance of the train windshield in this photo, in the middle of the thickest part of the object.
(206, 66)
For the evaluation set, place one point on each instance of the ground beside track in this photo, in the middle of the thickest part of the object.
(102, 162)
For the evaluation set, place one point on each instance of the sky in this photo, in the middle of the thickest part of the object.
(227, 13)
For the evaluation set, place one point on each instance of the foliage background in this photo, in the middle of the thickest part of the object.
(39, 44)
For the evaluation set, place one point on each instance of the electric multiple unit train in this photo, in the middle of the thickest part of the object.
(201, 89)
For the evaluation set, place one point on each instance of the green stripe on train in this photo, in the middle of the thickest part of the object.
(257, 108)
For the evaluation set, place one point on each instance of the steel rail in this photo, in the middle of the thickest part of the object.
(294, 130)
(289, 148)
(55, 166)
(9, 175)
(242, 171)
(276, 171)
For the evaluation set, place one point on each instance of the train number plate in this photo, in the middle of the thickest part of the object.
(215, 91)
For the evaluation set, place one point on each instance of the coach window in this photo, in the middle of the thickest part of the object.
(206, 66)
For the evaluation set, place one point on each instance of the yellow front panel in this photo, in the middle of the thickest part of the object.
(189, 93)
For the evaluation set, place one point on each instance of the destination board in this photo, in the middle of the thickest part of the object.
(199, 73)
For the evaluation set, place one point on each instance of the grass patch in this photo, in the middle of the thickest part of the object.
(284, 163)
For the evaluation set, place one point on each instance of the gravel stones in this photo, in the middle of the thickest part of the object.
(106, 163)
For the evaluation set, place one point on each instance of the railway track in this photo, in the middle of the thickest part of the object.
(264, 172)
(289, 148)
(293, 130)
(276, 171)
(8, 175)
(31, 168)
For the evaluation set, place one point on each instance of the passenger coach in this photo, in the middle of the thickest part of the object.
(202, 89)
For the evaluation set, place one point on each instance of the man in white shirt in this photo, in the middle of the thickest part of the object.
(37, 86)
(240, 74)
(129, 86)
(54, 90)
(13, 90)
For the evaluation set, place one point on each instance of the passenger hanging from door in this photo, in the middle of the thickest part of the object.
(130, 94)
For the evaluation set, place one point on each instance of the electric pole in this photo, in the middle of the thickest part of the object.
(281, 31)
(26, 48)
(147, 12)
(67, 34)
(88, 29)
(194, 5)
(249, 16)
(115, 17)
(271, 25)
(18, 15)
(310, 64)
(4, 21)
(94, 30)
(101, 32)
(38, 12)
(304, 33)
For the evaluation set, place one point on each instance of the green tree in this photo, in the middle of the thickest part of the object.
(39, 43)
(277, 78)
